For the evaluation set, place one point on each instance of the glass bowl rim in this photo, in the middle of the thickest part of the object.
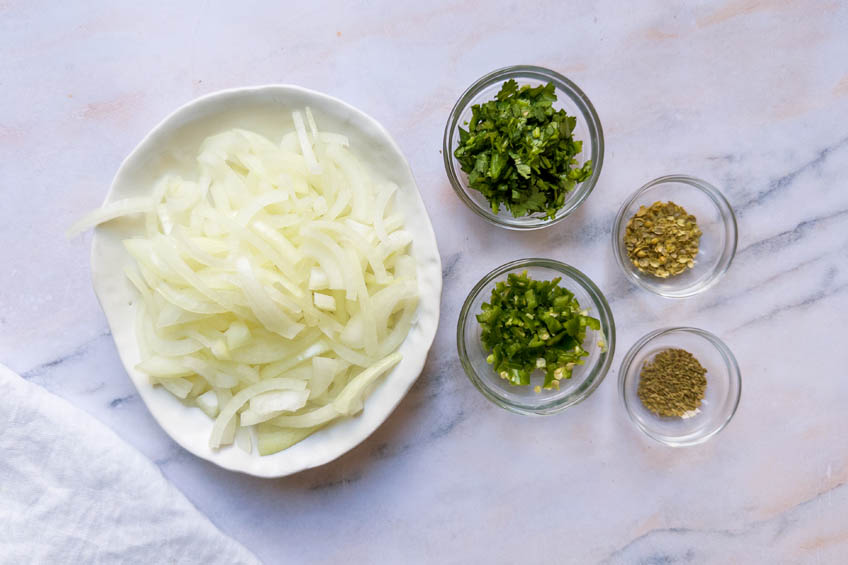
(729, 360)
(598, 371)
(729, 220)
(563, 84)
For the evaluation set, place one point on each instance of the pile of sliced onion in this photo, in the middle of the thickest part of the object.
(275, 286)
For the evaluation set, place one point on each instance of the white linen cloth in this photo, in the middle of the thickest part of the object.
(71, 491)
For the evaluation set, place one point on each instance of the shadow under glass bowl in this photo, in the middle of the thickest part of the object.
(569, 97)
(523, 399)
(715, 219)
(721, 399)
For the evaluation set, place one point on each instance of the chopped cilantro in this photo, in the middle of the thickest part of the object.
(529, 325)
(518, 151)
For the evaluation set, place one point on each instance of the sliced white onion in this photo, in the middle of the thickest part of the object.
(178, 387)
(324, 372)
(111, 211)
(208, 402)
(305, 144)
(274, 287)
(229, 411)
(310, 119)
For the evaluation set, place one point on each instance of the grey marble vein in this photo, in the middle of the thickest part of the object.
(784, 182)
(76, 353)
(344, 481)
(449, 265)
(804, 228)
(701, 545)
(809, 300)
(830, 256)
(120, 401)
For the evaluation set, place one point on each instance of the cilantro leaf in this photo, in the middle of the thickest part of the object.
(519, 152)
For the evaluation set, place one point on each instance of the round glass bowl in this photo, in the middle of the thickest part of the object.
(523, 399)
(718, 234)
(724, 386)
(569, 97)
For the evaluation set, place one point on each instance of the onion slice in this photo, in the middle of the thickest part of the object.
(109, 212)
(229, 411)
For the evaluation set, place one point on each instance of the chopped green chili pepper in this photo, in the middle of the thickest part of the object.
(529, 325)
(519, 152)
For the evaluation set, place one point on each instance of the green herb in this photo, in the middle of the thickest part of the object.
(673, 383)
(529, 325)
(519, 152)
(662, 240)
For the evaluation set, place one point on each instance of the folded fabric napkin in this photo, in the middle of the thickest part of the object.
(71, 491)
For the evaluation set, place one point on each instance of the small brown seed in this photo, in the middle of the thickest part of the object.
(664, 234)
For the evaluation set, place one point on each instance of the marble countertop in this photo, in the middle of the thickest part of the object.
(751, 96)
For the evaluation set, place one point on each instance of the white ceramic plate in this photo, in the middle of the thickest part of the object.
(172, 147)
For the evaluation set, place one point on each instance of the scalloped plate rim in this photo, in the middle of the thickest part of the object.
(406, 372)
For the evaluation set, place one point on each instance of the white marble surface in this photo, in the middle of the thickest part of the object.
(750, 95)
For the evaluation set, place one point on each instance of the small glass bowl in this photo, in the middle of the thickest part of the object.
(716, 221)
(523, 399)
(724, 386)
(569, 97)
